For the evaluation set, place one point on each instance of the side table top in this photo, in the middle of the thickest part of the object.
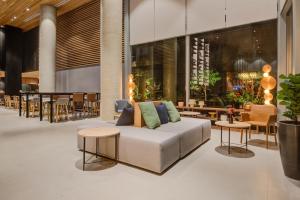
(100, 132)
(189, 113)
(235, 124)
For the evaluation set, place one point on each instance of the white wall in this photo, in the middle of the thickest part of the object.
(141, 21)
(85, 79)
(169, 19)
(205, 15)
(240, 12)
(152, 20)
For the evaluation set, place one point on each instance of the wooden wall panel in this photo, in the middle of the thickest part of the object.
(78, 37)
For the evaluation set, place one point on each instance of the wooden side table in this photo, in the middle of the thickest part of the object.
(235, 125)
(189, 113)
(101, 132)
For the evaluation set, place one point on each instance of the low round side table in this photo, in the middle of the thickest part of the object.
(101, 132)
(236, 125)
(189, 113)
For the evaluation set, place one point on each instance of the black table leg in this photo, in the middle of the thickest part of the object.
(117, 147)
(97, 147)
(20, 104)
(246, 139)
(83, 161)
(229, 141)
(221, 135)
(51, 108)
(27, 105)
(41, 107)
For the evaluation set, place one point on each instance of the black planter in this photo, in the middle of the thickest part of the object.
(289, 145)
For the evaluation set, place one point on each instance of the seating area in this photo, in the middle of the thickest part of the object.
(150, 99)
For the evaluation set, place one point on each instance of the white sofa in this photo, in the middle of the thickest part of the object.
(153, 150)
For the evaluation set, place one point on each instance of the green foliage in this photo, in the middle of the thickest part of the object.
(289, 95)
(242, 97)
(213, 77)
(149, 88)
(198, 89)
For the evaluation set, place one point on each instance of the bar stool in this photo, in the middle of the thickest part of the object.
(61, 108)
(92, 105)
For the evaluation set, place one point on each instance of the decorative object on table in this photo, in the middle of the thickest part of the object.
(289, 131)
(192, 103)
(268, 83)
(131, 88)
(223, 117)
(180, 104)
(230, 113)
(201, 104)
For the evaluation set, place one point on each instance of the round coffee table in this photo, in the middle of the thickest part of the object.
(235, 125)
(189, 113)
(101, 132)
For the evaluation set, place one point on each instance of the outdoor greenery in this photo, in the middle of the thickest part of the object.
(289, 95)
(200, 89)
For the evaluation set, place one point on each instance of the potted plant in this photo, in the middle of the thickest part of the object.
(289, 130)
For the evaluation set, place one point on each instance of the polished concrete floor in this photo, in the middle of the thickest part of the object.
(40, 161)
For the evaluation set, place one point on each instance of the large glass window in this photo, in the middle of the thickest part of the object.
(226, 65)
(159, 70)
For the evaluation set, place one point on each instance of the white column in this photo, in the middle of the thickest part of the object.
(111, 56)
(47, 48)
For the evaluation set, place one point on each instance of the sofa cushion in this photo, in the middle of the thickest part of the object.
(150, 114)
(126, 118)
(162, 113)
(172, 111)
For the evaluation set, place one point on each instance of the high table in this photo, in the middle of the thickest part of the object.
(41, 96)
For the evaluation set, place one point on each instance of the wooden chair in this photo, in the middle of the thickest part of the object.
(92, 105)
(78, 103)
(261, 116)
(61, 108)
(8, 101)
(16, 102)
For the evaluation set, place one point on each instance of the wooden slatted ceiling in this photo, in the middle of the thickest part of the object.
(27, 20)
(78, 37)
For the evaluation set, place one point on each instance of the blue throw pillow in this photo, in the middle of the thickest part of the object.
(162, 113)
(126, 118)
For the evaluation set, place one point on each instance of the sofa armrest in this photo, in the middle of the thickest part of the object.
(245, 117)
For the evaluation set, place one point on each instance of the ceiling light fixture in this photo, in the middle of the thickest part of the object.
(27, 9)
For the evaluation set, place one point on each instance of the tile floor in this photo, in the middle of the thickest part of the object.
(38, 161)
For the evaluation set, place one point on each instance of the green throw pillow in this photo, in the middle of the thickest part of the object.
(172, 111)
(150, 115)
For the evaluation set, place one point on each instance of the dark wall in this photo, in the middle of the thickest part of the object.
(13, 60)
(31, 50)
(2, 49)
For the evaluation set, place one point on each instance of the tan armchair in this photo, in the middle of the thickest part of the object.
(261, 116)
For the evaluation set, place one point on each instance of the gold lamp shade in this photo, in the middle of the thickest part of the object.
(268, 83)
(268, 97)
(267, 68)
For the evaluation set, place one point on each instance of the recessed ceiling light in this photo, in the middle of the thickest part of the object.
(27, 9)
